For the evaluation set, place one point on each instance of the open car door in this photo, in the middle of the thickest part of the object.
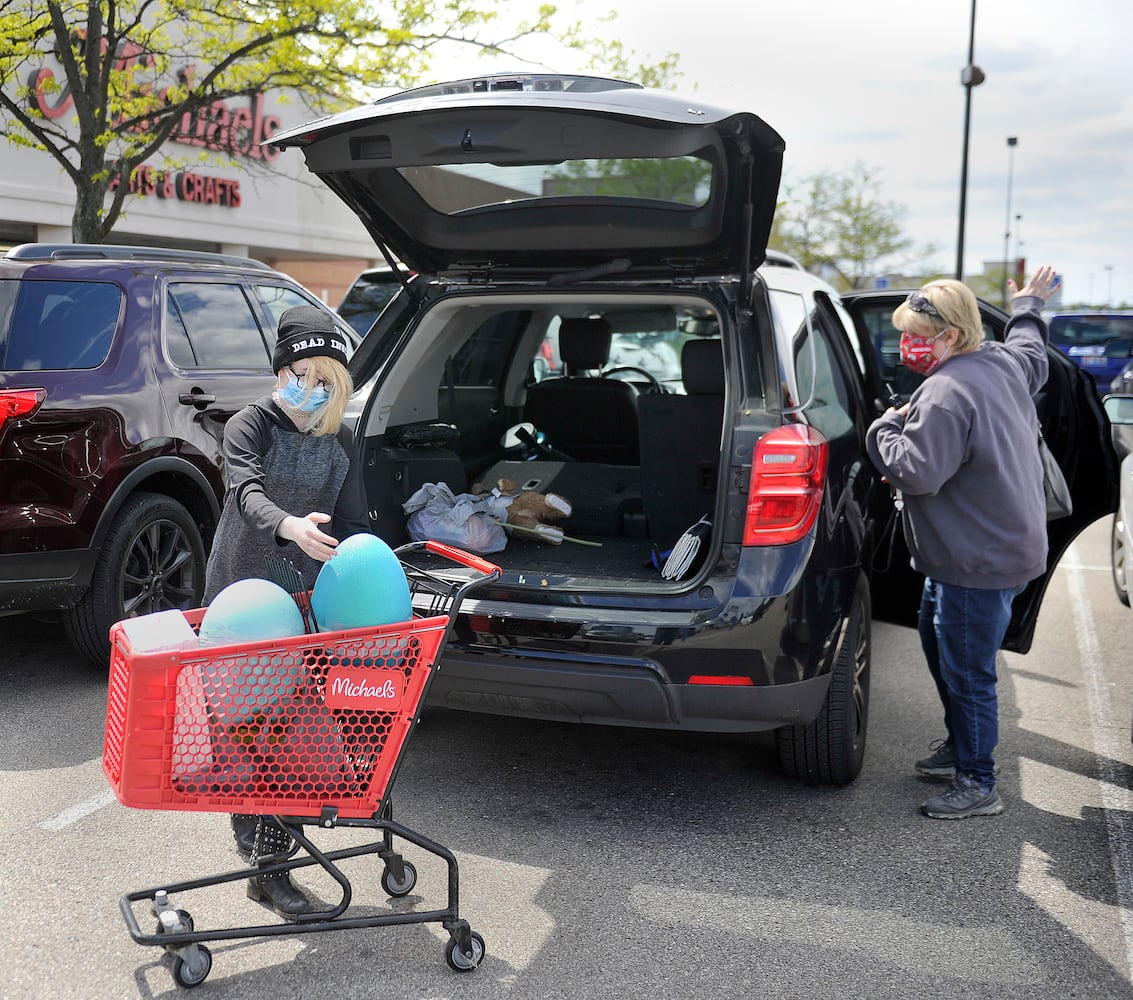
(1074, 425)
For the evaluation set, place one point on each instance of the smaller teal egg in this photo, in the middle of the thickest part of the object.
(250, 611)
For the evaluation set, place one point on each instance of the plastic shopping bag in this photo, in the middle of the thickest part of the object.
(469, 522)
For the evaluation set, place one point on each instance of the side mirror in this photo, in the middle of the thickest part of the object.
(1119, 409)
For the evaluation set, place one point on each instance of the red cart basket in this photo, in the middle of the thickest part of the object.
(309, 729)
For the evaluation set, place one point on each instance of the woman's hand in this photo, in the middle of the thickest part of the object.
(1040, 285)
(304, 532)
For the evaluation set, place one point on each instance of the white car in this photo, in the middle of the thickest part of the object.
(1119, 409)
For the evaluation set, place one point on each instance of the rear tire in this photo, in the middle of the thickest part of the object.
(830, 750)
(153, 559)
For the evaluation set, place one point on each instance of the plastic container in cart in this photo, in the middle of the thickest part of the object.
(309, 729)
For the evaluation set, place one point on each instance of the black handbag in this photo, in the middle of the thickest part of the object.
(1058, 502)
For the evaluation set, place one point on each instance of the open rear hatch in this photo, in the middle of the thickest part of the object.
(537, 174)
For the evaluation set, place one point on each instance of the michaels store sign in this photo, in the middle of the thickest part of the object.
(224, 127)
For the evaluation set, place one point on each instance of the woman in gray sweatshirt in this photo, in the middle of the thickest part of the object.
(963, 452)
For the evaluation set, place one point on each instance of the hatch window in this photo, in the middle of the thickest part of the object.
(678, 181)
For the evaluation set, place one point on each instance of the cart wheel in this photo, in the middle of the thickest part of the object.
(458, 961)
(394, 887)
(189, 976)
(186, 919)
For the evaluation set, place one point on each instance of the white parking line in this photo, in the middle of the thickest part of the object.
(1115, 797)
(73, 814)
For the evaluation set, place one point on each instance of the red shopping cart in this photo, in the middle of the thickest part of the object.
(310, 730)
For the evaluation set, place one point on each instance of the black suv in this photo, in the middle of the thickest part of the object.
(368, 294)
(703, 398)
(118, 369)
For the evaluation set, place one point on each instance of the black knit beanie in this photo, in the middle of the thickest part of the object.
(307, 332)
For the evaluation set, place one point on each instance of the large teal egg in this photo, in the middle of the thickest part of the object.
(250, 611)
(363, 585)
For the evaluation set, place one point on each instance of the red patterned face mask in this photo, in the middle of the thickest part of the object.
(916, 352)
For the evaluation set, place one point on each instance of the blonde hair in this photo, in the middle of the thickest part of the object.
(958, 310)
(328, 418)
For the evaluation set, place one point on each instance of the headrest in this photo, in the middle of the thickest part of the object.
(584, 343)
(702, 368)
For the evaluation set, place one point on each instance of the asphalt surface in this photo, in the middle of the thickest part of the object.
(608, 863)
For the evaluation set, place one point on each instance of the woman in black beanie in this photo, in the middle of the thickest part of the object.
(292, 489)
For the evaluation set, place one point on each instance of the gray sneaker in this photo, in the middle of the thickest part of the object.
(965, 797)
(942, 763)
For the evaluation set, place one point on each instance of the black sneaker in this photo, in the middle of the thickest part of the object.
(965, 797)
(942, 763)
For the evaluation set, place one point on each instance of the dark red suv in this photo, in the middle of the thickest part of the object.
(118, 369)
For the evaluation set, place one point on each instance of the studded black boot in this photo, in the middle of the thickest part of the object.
(244, 831)
(277, 890)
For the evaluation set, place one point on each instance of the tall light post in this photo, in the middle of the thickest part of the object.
(971, 76)
(1109, 285)
(1012, 142)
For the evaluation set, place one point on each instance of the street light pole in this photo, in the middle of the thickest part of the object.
(1012, 142)
(971, 76)
(1109, 286)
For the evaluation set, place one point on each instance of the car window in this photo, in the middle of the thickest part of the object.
(851, 331)
(279, 299)
(211, 325)
(1087, 330)
(684, 181)
(367, 297)
(648, 339)
(832, 406)
(876, 319)
(57, 324)
(789, 314)
(484, 357)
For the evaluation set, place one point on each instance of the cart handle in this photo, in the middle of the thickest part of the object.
(453, 553)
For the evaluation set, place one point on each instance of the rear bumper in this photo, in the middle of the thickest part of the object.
(770, 623)
(592, 691)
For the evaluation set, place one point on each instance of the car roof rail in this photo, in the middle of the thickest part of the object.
(100, 251)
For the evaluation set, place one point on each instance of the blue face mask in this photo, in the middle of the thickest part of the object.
(293, 395)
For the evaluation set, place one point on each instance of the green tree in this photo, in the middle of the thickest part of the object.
(839, 224)
(133, 72)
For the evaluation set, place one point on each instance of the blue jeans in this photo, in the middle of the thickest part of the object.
(961, 629)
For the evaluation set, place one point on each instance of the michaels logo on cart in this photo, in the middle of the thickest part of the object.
(349, 687)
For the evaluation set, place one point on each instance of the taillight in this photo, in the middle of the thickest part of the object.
(788, 473)
(17, 403)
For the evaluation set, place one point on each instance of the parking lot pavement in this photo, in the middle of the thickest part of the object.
(618, 863)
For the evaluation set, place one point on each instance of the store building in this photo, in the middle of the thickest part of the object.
(252, 200)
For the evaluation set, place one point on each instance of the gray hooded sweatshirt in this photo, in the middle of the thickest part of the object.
(966, 459)
(271, 469)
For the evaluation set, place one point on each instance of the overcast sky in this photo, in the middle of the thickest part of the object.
(879, 81)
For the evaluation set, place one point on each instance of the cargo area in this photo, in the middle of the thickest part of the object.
(614, 404)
